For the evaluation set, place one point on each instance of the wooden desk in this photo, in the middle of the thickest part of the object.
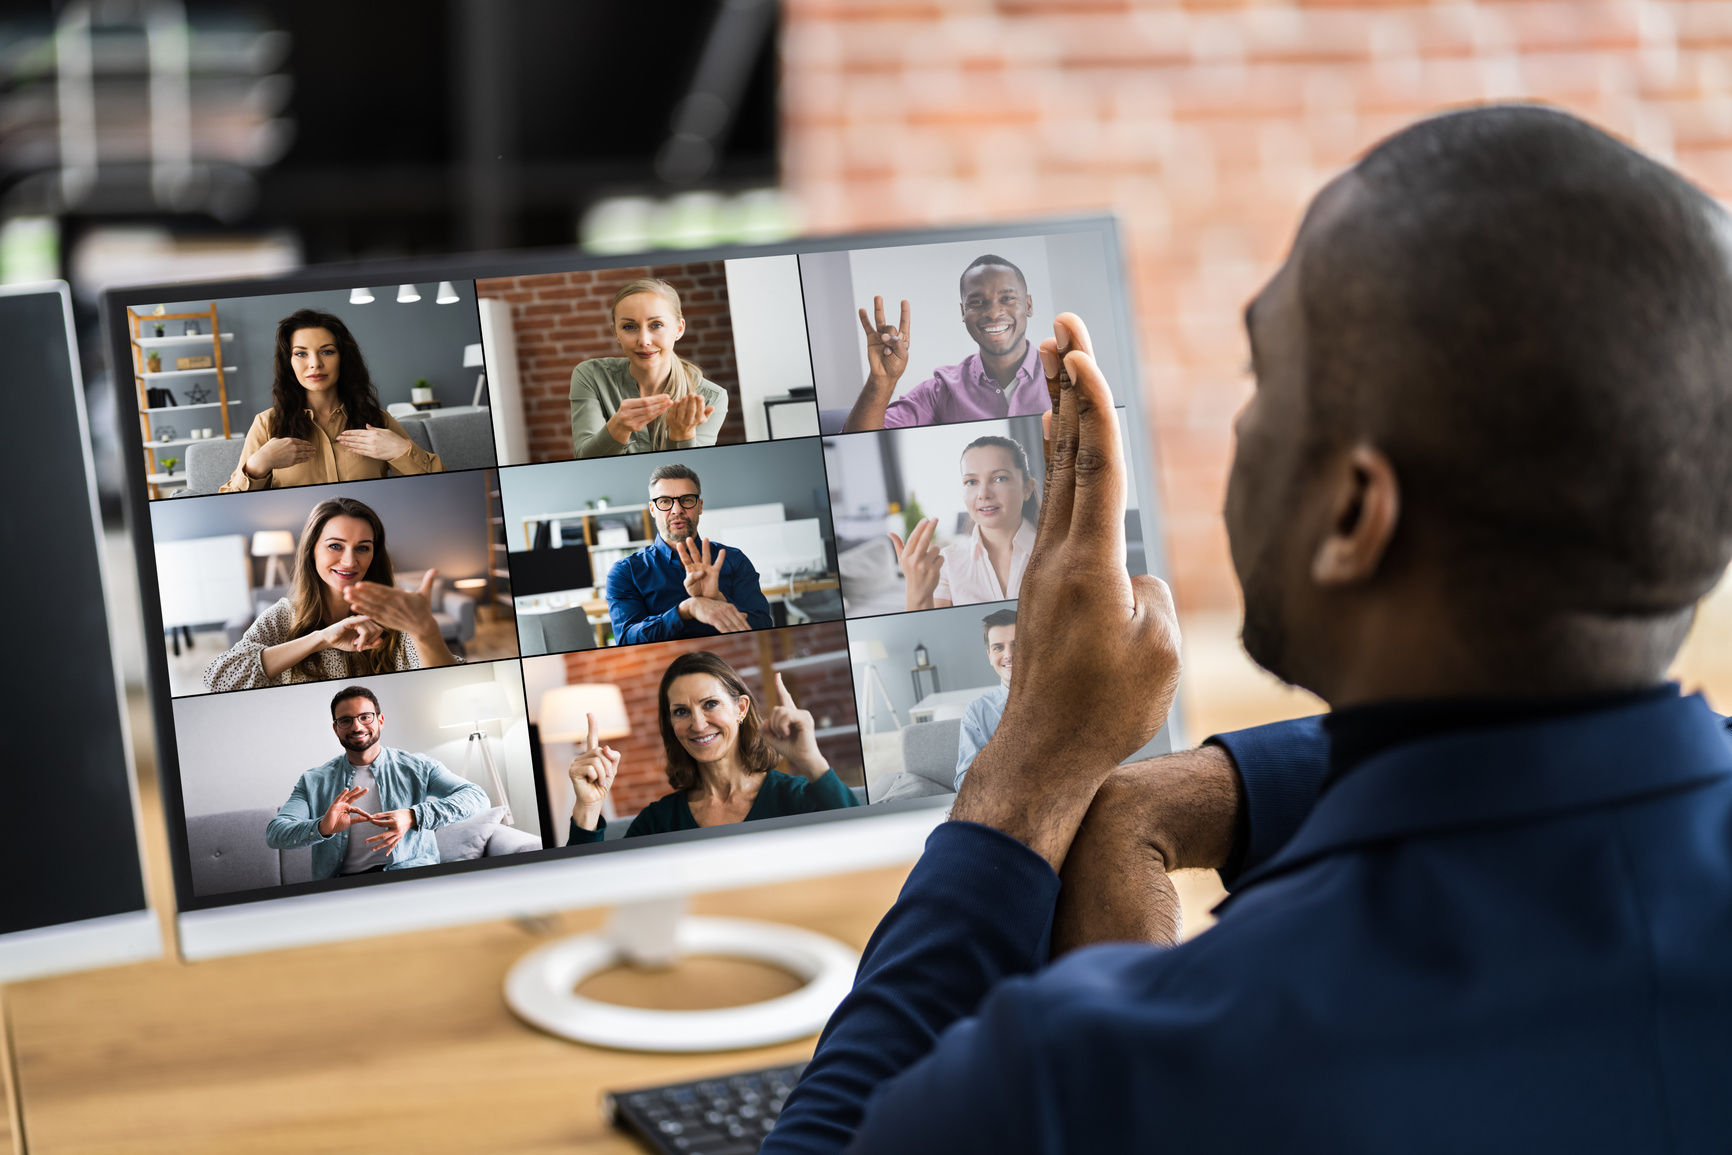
(392, 1044)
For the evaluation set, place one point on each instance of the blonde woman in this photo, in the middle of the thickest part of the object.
(343, 618)
(651, 398)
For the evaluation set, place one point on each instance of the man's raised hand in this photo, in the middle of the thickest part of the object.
(397, 823)
(340, 815)
(592, 773)
(886, 345)
(1097, 651)
(703, 572)
(791, 732)
(921, 563)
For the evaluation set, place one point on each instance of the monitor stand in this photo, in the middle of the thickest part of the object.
(542, 986)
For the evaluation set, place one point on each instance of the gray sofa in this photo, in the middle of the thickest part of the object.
(462, 440)
(228, 850)
(211, 462)
(928, 762)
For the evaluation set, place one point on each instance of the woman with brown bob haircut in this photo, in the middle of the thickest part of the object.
(722, 758)
(343, 616)
(325, 423)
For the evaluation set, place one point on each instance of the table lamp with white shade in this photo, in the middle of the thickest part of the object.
(470, 705)
(565, 713)
(864, 653)
(472, 359)
(272, 544)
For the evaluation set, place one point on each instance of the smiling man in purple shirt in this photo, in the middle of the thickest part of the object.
(1003, 379)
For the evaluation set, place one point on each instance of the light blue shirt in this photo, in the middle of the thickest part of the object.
(402, 781)
(978, 723)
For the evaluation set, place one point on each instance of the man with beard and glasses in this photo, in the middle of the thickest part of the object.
(683, 586)
(1486, 904)
(335, 807)
(1001, 379)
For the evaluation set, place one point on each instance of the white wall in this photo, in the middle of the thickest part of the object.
(246, 750)
(770, 346)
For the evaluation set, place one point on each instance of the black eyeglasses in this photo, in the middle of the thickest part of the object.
(686, 500)
(345, 721)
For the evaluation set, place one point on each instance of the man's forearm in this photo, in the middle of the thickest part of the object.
(1170, 813)
(869, 407)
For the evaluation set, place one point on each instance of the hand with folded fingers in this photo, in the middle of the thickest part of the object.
(1097, 656)
(792, 733)
(592, 773)
(397, 823)
(408, 611)
(341, 814)
(921, 563)
(635, 413)
(686, 415)
(886, 344)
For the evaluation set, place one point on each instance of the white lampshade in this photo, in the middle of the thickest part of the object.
(565, 710)
(407, 294)
(474, 702)
(273, 543)
(472, 356)
(360, 296)
(446, 295)
(870, 650)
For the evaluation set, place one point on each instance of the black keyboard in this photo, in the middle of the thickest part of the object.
(725, 1116)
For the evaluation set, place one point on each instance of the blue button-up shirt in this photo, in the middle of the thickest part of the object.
(979, 722)
(402, 781)
(644, 592)
(1506, 939)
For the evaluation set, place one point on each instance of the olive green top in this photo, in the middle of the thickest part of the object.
(600, 384)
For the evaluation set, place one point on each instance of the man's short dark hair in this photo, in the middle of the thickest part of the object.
(989, 259)
(676, 470)
(993, 620)
(1534, 321)
(348, 692)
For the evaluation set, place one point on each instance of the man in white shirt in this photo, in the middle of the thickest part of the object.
(981, 718)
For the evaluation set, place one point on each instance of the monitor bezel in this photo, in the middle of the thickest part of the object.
(128, 936)
(213, 924)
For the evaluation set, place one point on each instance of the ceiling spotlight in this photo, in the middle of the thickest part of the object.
(360, 296)
(447, 295)
(406, 295)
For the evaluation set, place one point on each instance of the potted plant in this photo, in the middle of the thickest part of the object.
(153, 362)
(168, 464)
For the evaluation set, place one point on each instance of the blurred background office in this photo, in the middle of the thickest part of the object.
(151, 140)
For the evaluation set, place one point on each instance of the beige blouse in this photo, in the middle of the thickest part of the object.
(330, 461)
(242, 667)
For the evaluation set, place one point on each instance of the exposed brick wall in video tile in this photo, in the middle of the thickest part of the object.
(561, 319)
(824, 688)
(1206, 126)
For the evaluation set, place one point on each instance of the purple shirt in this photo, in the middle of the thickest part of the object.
(967, 392)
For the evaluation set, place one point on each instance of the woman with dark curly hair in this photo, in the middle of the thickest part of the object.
(325, 422)
(722, 758)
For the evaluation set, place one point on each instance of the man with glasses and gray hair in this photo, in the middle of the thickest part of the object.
(683, 586)
(405, 796)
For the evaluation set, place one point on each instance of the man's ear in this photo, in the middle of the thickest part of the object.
(1364, 510)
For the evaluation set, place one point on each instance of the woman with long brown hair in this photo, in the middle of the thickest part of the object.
(343, 616)
(722, 758)
(325, 423)
(651, 398)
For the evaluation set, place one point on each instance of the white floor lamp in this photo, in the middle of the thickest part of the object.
(864, 653)
(470, 705)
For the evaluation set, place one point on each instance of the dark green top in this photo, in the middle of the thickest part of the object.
(780, 794)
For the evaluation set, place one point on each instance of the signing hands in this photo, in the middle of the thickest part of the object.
(685, 415)
(379, 444)
(791, 733)
(278, 453)
(397, 823)
(1096, 677)
(354, 634)
(886, 345)
(341, 815)
(634, 413)
(921, 562)
(395, 609)
(592, 773)
(703, 573)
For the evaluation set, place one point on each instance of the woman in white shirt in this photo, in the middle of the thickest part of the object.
(998, 491)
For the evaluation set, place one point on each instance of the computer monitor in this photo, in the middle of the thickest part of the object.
(627, 399)
(74, 895)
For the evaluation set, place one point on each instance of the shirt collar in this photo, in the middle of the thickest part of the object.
(1021, 543)
(978, 377)
(1475, 777)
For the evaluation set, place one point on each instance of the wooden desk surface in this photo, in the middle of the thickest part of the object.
(401, 1043)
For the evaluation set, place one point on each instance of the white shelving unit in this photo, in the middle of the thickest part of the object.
(142, 347)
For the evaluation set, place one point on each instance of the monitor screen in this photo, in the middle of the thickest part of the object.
(78, 901)
(736, 536)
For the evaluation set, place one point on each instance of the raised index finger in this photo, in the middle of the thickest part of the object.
(783, 698)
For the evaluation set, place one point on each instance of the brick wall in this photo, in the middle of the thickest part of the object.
(561, 319)
(1206, 126)
(826, 689)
